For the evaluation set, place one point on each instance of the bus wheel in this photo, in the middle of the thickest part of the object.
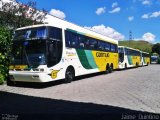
(10, 83)
(111, 68)
(107, 69)
(69, 75)
(125, 67)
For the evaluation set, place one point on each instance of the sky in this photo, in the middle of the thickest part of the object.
(113, 18)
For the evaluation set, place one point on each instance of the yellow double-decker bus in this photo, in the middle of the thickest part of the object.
(60, 50)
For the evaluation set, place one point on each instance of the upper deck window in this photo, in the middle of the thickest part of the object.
(31, 33)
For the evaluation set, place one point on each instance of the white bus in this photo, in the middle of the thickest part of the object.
(128, 57)
(145, 58)
(60, 50)
(154, 59)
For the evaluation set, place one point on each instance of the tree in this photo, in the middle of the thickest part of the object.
(156, 48)
(14, 14)
(5, 42)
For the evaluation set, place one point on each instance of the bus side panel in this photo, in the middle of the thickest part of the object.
(104, 58)
(86, 59)
(97, 59)
(136, 60)
(81, 60)
(133, 60)
(146, 60)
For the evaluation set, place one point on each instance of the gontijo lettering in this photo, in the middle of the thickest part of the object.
(102, 54)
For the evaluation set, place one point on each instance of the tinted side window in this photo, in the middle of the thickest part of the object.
(81, 40)
(93, 44)
(101, 45)
(71, 39)
(113, 48)
(126, 51)
(55, 33)
(137, 53)
(145, 55)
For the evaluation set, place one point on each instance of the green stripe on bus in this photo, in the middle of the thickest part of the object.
(83, 59)
(129, 59)
(144, 60)
(90, 58)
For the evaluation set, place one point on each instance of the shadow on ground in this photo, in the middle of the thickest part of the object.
(36, 108)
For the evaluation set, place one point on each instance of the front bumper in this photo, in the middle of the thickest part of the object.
(121, 66)
(24, 76)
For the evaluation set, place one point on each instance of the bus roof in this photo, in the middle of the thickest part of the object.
(145, 52)
(128, 48)
(59, 23)
(132, 49)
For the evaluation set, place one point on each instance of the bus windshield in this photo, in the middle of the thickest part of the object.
(30, 52)
(37, 46)
(121, 54)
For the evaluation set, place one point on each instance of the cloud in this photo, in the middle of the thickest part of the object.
(155, 14)
(145, 16)
(131, 18)
(115, 4)
(146, 2)
(7, 0)
(149, 37)
(100, 10)
(151, 15)
(58, 13)
(107, 31)
(115, 10)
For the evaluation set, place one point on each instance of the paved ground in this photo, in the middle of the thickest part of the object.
(130, 90)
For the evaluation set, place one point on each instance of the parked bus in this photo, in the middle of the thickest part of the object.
(129, 57)
(154, 59)
(60, 50)
(145, 58)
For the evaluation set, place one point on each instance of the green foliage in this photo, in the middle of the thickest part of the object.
(141, 45)
(156, 48)
(14, 15)
(5, 43)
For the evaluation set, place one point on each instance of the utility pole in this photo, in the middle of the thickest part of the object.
(130, 35)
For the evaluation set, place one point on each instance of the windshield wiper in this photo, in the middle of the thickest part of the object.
(24, 51)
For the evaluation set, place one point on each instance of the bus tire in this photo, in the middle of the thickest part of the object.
(107, 69)
(69, 75)
(10, 83)
(111, 68)
(125, 67)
